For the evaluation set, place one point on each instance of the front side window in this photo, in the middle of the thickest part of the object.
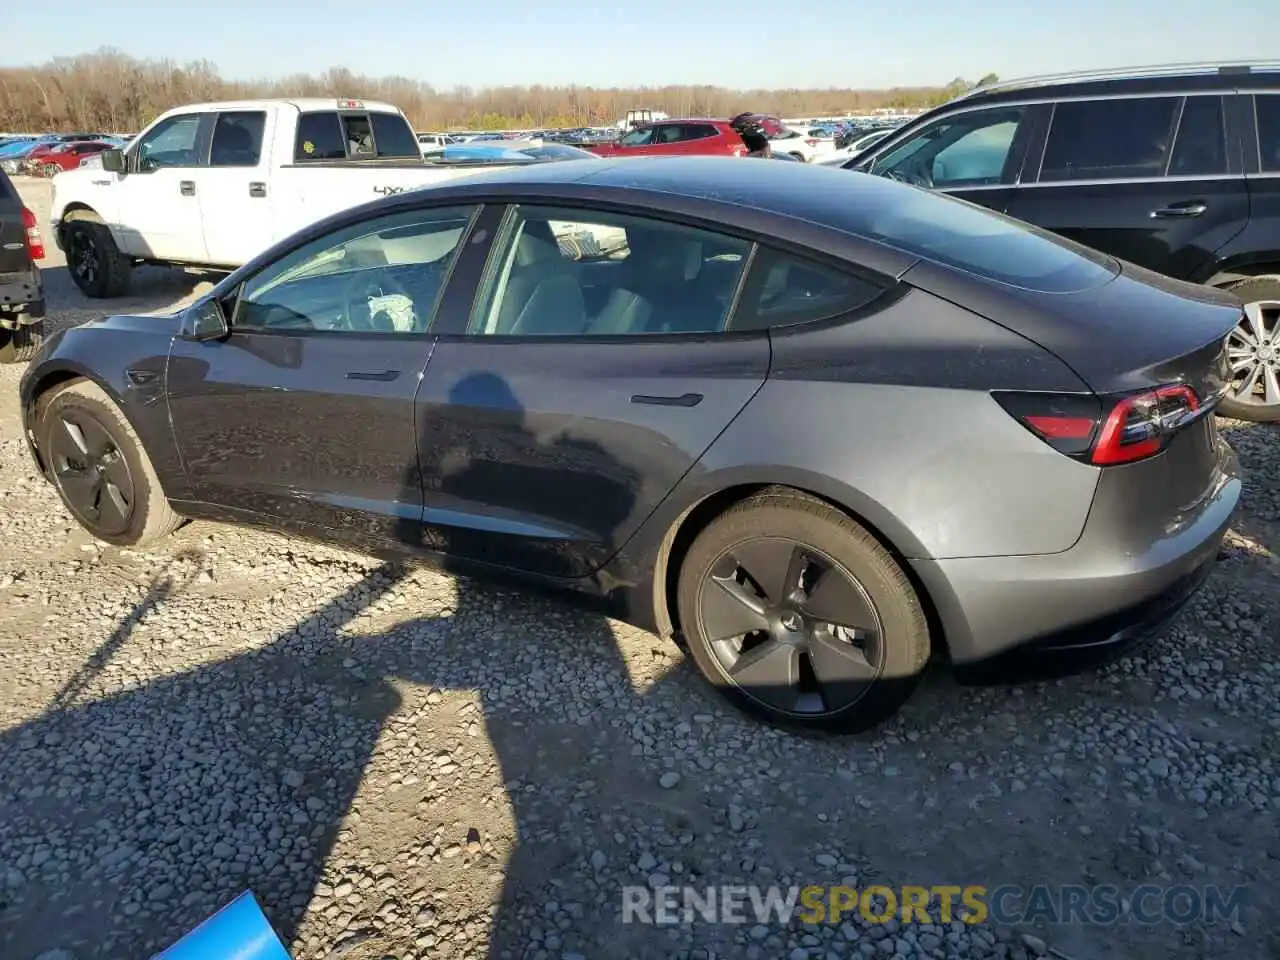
(1267, 111)
(570, 272)
(1120, 139)
(966, 149)
(638, 138)
(171, 143)
(237, 139)
(381, 276)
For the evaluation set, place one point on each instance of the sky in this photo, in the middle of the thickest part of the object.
(730, 43)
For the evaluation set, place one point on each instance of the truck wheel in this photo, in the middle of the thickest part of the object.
(100, 468)
(1254, 352)
(97, 266)
(20, 345)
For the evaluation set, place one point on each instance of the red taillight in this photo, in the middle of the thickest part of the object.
(812, 143)
(35, 243)
(1105, 431)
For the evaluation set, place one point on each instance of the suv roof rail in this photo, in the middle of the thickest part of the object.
(1124, 73)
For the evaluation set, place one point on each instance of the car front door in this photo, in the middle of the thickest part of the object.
(1151, 180)
(234, 203)
(303, 415)
(590, 379)
(975, 154)
(159, 205)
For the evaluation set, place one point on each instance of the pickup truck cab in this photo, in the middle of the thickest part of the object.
(212, 185)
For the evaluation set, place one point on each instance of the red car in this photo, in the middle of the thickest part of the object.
(64, 156)
(683, 138)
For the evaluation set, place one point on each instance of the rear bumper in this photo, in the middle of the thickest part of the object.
(21, 297)
(1106, 591)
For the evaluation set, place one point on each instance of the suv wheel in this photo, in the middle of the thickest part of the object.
(1253, 349)
(20, 344)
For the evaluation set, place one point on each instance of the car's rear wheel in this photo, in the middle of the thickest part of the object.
(97, 266)
(99, 467)
(21, 344)
(1253, 349)
(800, 616)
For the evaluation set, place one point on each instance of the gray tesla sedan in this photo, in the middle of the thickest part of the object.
(818, 425)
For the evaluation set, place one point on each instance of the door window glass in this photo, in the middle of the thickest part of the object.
(1200, 148)
(172, 143)
(1267, 110)
(237, 139)
(969, 148)
(565, 272)
(380, 276)
(1126, 138)
(392, 136)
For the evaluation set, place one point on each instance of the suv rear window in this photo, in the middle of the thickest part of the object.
(960, 234)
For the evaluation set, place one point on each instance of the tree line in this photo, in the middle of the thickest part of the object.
(112, 92)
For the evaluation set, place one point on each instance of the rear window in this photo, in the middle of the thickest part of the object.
(1267, 111)
(979, 241)
(392, 136)
(320, 138)
(6, 190)
(330, 135)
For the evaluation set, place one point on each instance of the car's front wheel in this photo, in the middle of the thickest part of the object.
(21, 343)
(1253, 350)
(800, 616)
(100, 469)
(97, 266)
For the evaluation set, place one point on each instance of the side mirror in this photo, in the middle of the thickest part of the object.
(205, 320)
(113, 160)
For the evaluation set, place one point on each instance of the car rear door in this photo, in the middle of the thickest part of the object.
(584, 381)
(235, 205)
(303, 415)
(1151, 180)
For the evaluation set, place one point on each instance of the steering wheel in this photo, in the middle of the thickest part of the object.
(914, 175)
(363, 287)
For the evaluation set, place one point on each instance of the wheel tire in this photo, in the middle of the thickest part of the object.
(105, 272)
(1257, 291)
(87, 406)
(844, 547)
(799, 156)
(20, 345)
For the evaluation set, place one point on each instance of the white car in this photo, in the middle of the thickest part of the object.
(215, 184)
(844, 154)
(801, 146)
(433, 144)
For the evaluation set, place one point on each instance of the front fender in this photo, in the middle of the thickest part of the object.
(129, 362)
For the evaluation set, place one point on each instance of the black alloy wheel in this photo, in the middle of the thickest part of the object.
(83, 256)
(791, 627)
(91, 472)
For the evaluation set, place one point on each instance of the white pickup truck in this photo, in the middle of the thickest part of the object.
(215, 184)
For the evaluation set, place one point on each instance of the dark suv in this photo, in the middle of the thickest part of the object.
(1172, 168)
(21, 287)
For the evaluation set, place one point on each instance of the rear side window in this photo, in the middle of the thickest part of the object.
(320, 137)
(782, 290)
(237, 139)
(1121, 139)
(1201, 145)
(960, 234)
(6, 190)
(392, 136)
(1267, 110)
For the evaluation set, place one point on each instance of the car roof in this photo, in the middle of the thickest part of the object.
(833, 199)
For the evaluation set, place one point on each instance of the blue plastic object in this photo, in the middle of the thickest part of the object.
(239, 931)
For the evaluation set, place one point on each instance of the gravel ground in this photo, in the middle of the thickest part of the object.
(405, 764)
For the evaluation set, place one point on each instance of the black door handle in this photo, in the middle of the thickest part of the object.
(1192, 208)
(187, 188)
(383, 375)
(257, 189)
(684, 400)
